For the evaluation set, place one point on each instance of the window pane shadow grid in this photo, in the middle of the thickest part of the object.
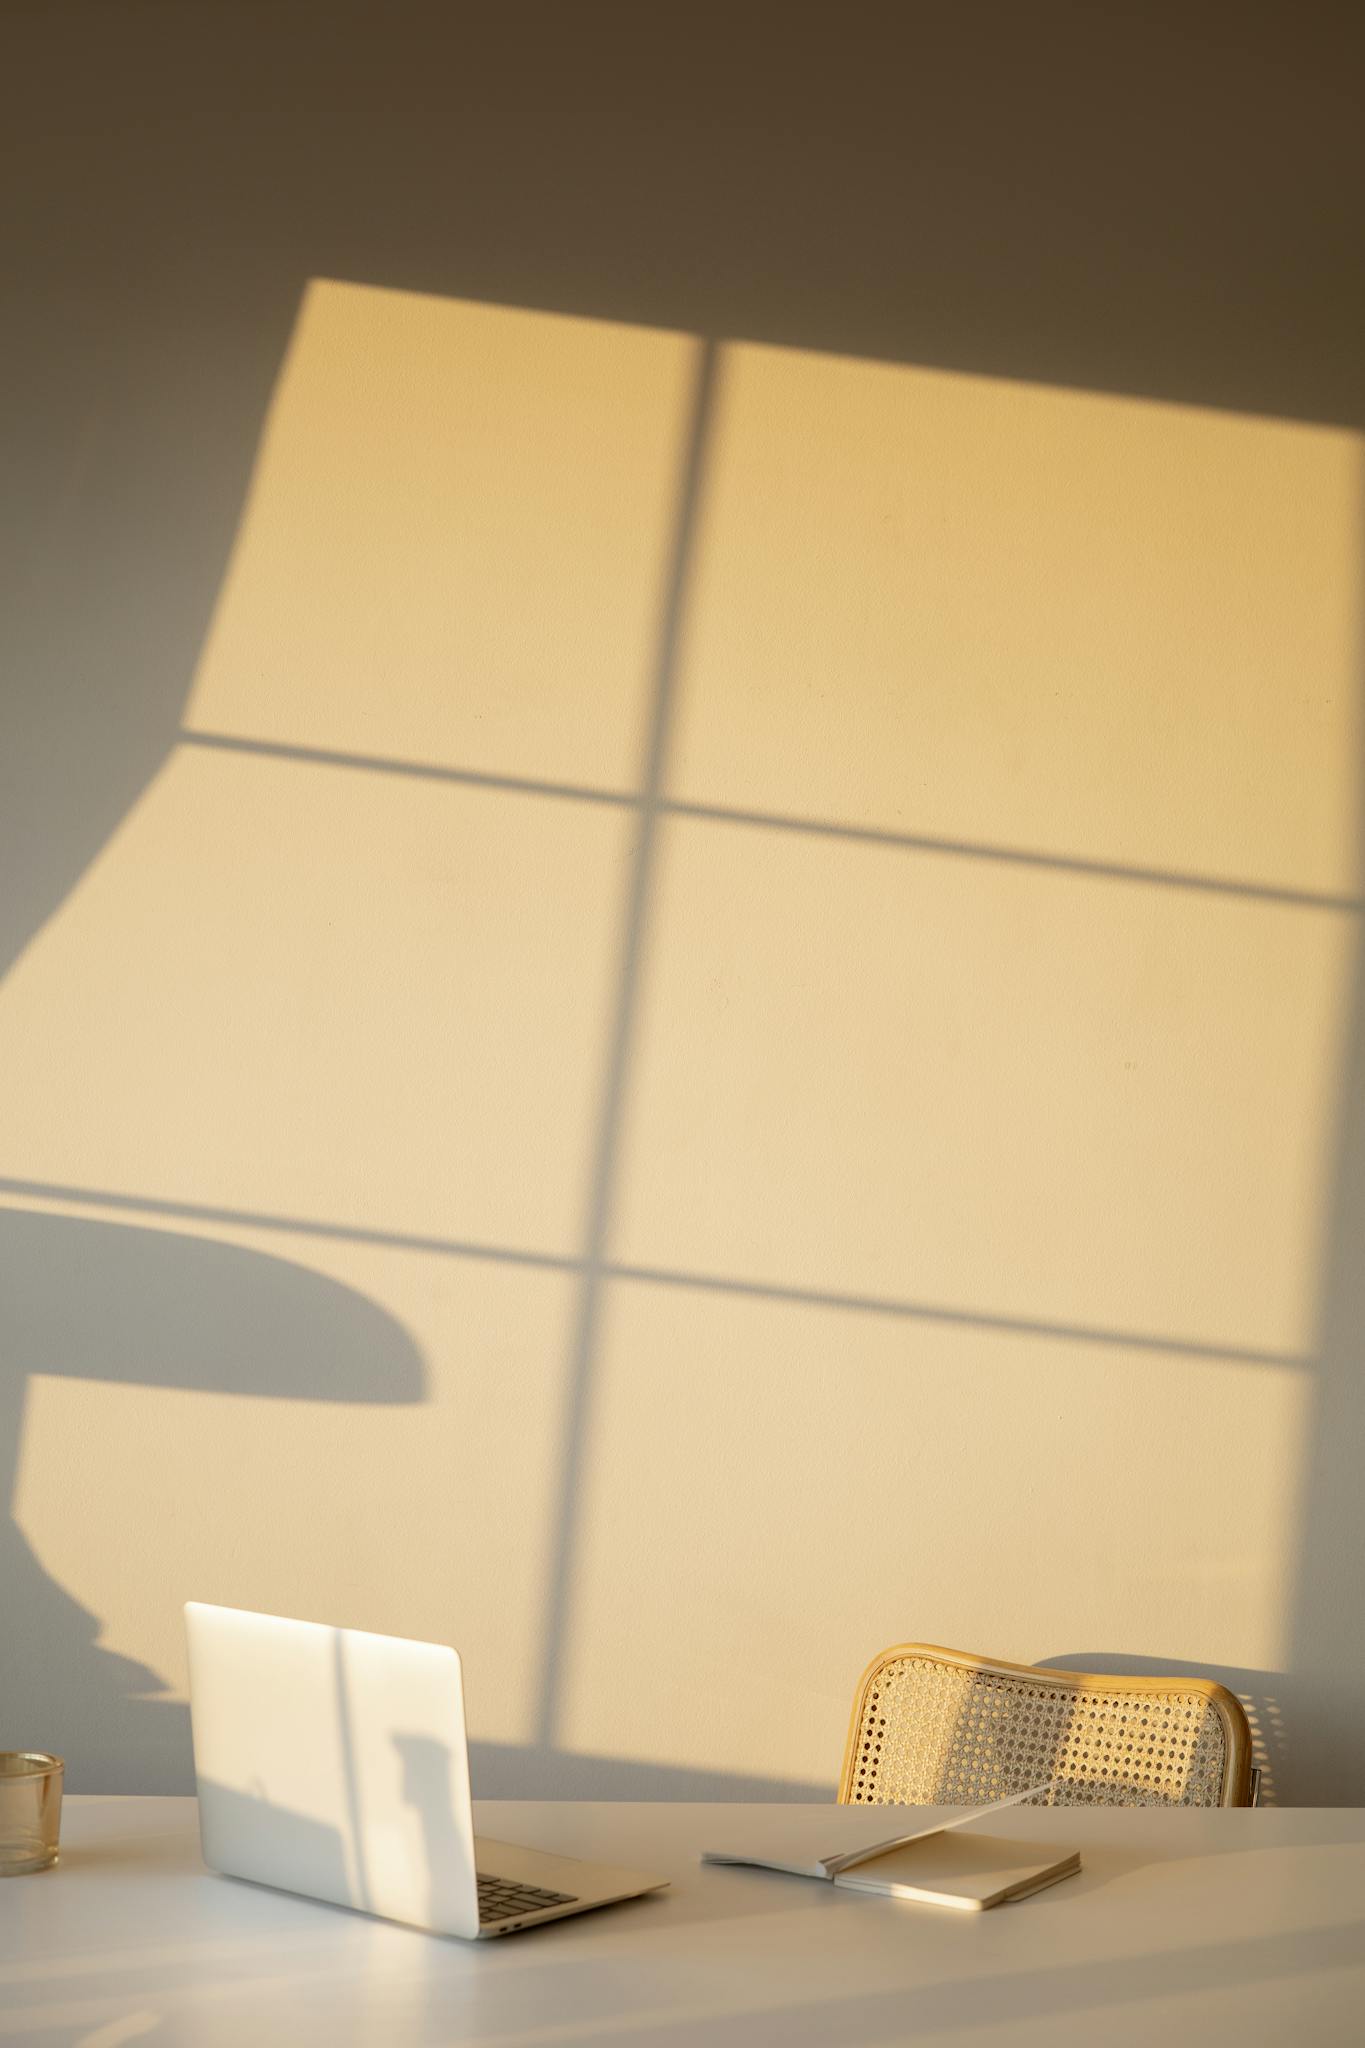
(1271, 893)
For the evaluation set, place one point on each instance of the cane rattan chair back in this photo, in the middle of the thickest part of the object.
(940, 1728)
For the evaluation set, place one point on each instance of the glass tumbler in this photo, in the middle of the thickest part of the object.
(30, 1810)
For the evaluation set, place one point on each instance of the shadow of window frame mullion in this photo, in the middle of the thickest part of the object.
(594, 1273)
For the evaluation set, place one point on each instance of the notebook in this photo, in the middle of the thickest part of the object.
(965, 1869)
(839, 1845)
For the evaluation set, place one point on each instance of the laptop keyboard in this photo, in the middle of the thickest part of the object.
(499, 1898)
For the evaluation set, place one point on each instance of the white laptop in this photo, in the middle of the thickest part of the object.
(333, 1763)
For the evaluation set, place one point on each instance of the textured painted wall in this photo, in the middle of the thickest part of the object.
(682, 989)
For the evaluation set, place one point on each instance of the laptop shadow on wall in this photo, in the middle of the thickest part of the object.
(132, 1306)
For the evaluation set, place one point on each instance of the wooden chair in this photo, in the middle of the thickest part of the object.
(937, 1727)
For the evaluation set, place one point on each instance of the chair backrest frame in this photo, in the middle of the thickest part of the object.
(1236, 1787)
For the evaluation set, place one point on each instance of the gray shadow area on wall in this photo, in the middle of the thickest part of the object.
(1325, 1621)
(1041, 193)
(138, 449)
(138, 1307)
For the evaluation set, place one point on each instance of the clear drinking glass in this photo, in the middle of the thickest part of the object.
(30, 1810)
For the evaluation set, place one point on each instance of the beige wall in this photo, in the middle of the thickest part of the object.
(681, 1000)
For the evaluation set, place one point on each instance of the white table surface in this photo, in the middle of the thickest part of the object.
(1206, 1927)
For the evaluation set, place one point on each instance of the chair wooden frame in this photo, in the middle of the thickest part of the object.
(1238, 1786)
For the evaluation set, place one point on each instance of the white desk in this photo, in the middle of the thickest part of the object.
(1182, 1927)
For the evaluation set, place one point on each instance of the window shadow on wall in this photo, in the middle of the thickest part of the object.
(166, 289)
